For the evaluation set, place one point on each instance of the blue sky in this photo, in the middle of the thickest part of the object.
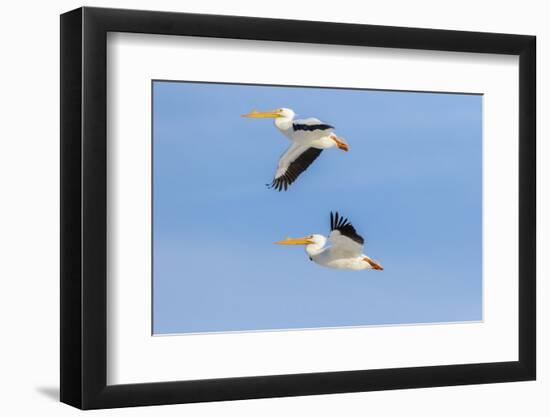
(411, 185)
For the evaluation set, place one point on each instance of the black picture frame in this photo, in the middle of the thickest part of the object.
(84, 207)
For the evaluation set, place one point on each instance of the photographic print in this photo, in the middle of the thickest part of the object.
(303, 207)
(365, 218)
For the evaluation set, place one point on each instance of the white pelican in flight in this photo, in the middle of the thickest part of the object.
(309, 137)
(345, 250)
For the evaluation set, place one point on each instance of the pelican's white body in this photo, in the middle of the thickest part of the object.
(319, 139)
(337, 256)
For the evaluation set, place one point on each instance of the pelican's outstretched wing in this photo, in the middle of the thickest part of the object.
(292, 163)
(344, 238)
(311, 125)
(307, 130)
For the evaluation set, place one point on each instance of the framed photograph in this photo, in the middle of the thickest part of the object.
(260, 208)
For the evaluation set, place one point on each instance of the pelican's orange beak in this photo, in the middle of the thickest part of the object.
(255, 114)
(298, 241)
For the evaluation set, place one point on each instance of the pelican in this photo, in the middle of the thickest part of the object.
(309, 137)
(345, 250)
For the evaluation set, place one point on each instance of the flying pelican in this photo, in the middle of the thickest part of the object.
(345, 251)
(309, 137)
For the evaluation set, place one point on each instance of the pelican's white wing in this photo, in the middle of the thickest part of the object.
(345, 242)
(292, 163)
(307, 130)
